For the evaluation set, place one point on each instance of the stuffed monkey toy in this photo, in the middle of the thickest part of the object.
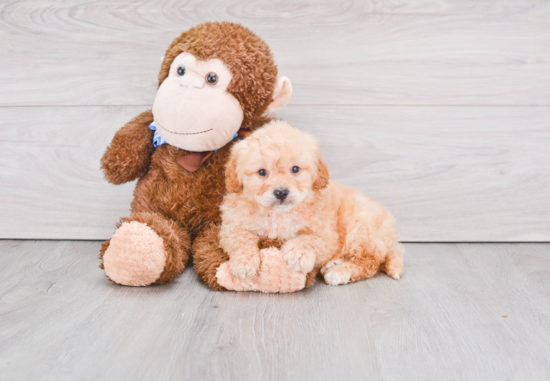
(217, 82)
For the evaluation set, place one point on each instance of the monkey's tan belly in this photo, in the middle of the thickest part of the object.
(190, 198)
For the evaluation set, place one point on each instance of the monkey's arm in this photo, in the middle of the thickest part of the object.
(129, 154)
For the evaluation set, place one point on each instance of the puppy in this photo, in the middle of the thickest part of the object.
(278, 188)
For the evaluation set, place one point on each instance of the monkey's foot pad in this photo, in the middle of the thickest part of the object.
(136, 255)
(274, 276)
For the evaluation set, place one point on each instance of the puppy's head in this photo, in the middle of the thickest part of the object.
(278, 166)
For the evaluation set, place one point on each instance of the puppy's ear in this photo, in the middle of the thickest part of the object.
(232, 184)
(323, 176)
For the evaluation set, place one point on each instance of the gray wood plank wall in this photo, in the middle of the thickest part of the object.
(440, 109)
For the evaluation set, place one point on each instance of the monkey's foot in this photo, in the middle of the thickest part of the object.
(273, 276)
(136, 255)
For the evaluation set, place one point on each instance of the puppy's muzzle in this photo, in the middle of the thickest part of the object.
(280, 193)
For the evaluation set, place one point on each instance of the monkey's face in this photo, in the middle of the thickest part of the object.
(192, 108)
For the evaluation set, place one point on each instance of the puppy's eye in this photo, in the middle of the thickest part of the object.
(295, 169)
(262, 172)
(181, 70)
(211, 78)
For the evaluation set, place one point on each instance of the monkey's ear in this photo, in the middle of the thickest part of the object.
(323, 176)
(232, 184)
(281, 94)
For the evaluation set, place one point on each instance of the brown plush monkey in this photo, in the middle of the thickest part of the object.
(217, 81)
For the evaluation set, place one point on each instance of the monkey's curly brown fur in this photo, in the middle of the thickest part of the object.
(180, 205)
(246, 55)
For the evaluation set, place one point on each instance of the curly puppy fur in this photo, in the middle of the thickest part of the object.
(324, 226)
(179, 203)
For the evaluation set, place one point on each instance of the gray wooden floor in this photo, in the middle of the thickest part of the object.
(462, 311)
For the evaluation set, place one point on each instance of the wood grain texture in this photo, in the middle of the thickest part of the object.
(60, 319)
(439, 108)
(447, 173)
(335, 52)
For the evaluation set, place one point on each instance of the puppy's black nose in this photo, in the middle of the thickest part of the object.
(281, 193)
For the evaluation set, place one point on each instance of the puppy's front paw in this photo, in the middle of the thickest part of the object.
(299, 258)
(245, 266)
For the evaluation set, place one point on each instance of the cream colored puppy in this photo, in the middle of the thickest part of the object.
(279, 188)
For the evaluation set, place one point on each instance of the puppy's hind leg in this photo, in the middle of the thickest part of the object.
(361, 259)
(339, 271)
(393, 266)
(354, 264)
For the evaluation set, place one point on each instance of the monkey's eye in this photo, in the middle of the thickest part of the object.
(262, 172)
(211, 78)
(295, 169)
(181, 70)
